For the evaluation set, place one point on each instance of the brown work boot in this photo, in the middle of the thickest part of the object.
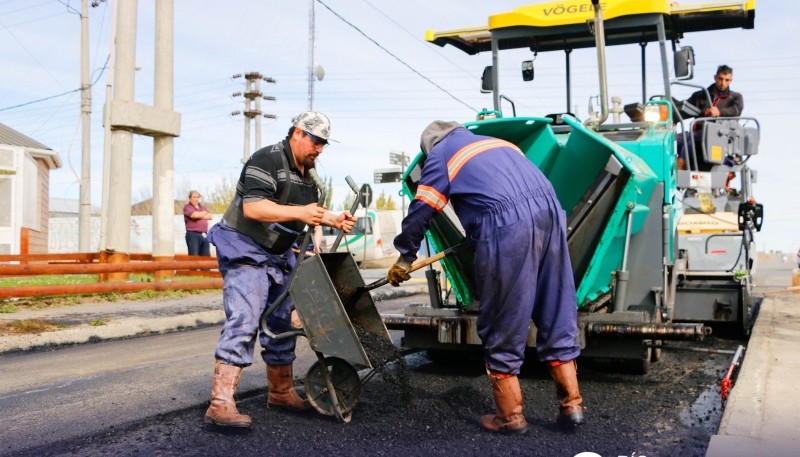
(281, 389)
(508, 402)
(565, 375)
(222, 410)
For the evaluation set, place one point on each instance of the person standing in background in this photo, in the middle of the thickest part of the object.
(196, 217)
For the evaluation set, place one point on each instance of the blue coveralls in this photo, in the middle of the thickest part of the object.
(516, 225)
(253, 279)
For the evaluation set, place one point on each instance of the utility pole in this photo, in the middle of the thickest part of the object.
(120, 177)
(313, 72)
(311, 29)
(85, 206)
(163, 145)
(107, 131)
(130, 118)
(252, 96)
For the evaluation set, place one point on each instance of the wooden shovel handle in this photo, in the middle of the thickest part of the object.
(420, 263)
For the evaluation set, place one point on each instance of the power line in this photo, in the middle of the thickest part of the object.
(70, 9)
(27, 7)
(395, 57)
(40, 100)
(27, 50)
(419, 40)
(103, 69)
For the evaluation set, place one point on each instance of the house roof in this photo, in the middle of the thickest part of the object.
(12, 137)
(68, 206)
(145, 207)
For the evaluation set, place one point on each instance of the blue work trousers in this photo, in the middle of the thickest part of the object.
(197, 244)
(253, 279)
(523, 272)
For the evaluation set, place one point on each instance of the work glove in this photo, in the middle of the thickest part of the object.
(399, 272)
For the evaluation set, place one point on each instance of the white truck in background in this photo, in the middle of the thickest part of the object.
(371, 242)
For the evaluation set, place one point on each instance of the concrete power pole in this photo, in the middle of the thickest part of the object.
(129, 117)
(85, 206)
(163, 150)
(252, 96)
(107, 131)
(119, 189)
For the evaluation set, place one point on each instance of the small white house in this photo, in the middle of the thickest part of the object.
(25, 166)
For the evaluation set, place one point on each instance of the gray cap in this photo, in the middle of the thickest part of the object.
(435, 132)
(314, 123)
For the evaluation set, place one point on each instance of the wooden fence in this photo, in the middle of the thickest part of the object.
(112, 276)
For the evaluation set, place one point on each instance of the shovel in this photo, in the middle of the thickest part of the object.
(420, 263)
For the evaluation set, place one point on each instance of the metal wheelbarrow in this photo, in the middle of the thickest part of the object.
(343, 328)
(326, 291)
(339, 319)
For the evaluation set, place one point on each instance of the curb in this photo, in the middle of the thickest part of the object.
(116, 329)
(130, 327)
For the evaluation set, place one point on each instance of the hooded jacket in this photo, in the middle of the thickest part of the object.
(475, 173)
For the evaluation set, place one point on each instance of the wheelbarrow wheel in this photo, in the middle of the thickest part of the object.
(333, 387)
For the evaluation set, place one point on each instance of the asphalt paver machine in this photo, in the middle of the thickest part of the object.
(642, 277)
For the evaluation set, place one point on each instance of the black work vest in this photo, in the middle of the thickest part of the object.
(268, 174)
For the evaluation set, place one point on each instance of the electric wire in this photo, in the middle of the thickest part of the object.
(102, 70)
(418, 39)
(27, 50)
(395, 57)
(70, 9)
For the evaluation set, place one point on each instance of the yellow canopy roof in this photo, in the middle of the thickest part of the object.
(567, 24)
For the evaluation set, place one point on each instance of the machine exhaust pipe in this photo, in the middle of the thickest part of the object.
(678, 332)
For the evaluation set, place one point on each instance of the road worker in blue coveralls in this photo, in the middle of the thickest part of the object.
(516, 227)
(275, 199)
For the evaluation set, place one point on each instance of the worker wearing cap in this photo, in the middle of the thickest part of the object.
(275, 199)
(517, 228)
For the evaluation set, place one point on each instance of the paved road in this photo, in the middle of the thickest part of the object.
(51, 396)
(146, 396)
(154, 405)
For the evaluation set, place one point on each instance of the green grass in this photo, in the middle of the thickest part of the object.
(30, 326)
(59, 280)
(7, 308)
(35, 303)
(47, 280)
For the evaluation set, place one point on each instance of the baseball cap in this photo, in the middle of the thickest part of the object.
(314, 123)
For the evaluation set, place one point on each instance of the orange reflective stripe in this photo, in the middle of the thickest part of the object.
(466, 153)
(431, 196)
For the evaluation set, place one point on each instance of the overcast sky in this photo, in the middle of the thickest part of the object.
(379, 86)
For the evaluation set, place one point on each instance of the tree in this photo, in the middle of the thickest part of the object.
(385, 202)
(182, 188)
(218, 198)
(348, 201)
(328, 191)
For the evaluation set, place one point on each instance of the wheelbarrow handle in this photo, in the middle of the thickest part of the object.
(353, 209)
